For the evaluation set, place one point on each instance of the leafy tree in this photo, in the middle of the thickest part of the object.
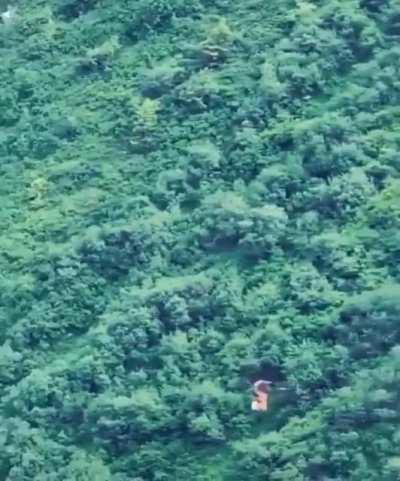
(82, 467)
(197, 195)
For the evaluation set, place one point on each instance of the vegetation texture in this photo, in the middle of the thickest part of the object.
(196, 194)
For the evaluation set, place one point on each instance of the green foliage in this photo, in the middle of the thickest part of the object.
(378, 307)
(100, 57)
(83, 467)
(117, 421)
(196, 195)
(160, 78)
(227, 220)
(150, 16)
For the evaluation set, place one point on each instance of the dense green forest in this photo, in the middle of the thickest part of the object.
(194, 195)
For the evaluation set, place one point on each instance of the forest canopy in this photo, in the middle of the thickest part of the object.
(195, 195)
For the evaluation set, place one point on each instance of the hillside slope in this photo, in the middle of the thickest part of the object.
(195, 195)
